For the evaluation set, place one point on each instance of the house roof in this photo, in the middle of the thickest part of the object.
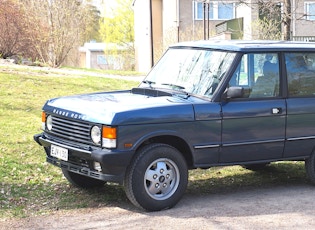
(93, 46)
(100, 47)
(254, 45)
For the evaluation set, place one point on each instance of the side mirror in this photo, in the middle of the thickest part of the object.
(233, 92)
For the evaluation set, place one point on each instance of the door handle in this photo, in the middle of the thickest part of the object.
(276, 110)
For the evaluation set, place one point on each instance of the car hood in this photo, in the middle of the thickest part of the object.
(122, 108)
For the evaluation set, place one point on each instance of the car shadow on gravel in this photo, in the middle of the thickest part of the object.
(211, 185)
(242, 181)
(279, 188)
(284, 174)
(278, 197)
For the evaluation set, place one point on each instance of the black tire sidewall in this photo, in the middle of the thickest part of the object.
(310, 168)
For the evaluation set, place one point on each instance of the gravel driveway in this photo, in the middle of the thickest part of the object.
(279, 207)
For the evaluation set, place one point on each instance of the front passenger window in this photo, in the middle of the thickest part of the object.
(258, 74)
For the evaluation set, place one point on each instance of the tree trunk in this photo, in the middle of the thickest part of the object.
(287, 20)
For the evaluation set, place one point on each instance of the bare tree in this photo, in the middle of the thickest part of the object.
(270, 20)
(90, 24)
(14, 35)
(287, 16)
(274, 16)
(61, 25)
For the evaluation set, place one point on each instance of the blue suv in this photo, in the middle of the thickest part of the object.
(205, 104)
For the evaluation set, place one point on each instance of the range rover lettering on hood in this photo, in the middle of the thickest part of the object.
(68, 114)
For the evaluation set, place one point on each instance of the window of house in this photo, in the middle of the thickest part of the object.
(310, 10)
(101, 60)
(217, 10)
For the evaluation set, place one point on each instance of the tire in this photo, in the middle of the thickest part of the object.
(157, 178)
(82, 181)
(256, 167)
(310, 168)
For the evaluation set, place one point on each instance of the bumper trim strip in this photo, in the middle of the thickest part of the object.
(64, 146)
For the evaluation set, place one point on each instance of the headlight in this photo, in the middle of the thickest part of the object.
(49, 123)
(96, 135)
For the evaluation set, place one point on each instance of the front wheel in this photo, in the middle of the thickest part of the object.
(82, 181)
(310, 168)
(157, 178)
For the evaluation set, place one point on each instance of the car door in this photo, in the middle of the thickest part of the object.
(253, 125)
(300, 68)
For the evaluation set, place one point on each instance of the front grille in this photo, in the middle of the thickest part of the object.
(71, 130)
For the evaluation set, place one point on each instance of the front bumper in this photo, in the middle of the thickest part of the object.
(113, 162)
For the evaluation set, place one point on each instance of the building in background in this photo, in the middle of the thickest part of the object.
(93, 56)
(160, 23)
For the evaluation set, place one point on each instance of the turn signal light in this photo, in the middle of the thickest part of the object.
(109, 132)
(109, 135)
(43, 116)
(43, 120)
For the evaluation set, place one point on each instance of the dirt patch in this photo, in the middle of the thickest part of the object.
(281, 207)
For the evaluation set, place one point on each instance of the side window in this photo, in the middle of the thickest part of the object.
(258, 75)
(300, 73)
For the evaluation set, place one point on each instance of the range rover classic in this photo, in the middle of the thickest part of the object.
(204, 104)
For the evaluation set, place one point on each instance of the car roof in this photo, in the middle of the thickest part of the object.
(248, 46)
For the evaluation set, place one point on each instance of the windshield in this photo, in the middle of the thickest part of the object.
(193, 71)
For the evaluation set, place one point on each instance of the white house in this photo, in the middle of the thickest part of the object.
(95, 55)
(159, 23)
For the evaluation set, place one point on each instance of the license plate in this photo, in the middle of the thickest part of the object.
(59, 152)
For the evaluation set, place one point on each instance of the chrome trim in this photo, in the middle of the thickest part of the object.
(300, 138)
(206, 146)
(253, 142)
(65, 146)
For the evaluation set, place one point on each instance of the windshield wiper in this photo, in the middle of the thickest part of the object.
(148, 82)
(178, 88)
(174, 86)
(180, 92)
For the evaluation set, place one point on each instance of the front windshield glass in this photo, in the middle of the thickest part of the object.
(193, 71)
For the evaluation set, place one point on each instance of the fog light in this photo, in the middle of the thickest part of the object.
(97, 166)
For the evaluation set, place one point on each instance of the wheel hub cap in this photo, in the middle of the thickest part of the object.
(161, 179)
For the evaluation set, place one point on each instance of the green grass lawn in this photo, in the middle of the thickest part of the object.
(30, 186)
